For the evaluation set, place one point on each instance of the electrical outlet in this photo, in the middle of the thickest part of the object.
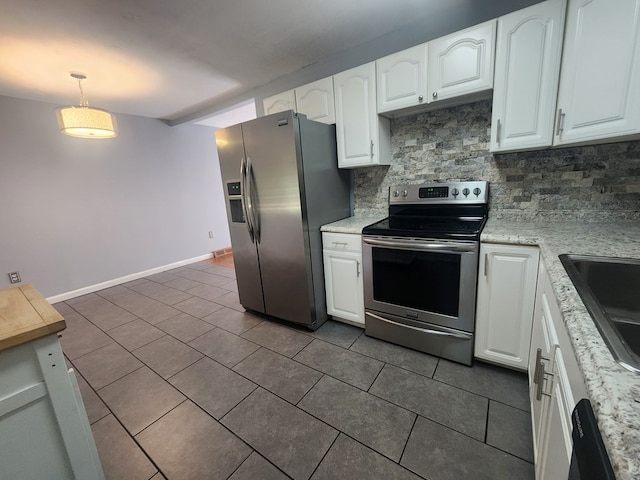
(210, 233)
(14, 277)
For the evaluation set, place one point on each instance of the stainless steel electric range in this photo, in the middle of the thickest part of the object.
(420, 268)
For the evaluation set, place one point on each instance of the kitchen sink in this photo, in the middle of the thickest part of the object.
(610, 289)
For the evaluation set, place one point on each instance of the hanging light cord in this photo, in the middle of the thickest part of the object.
(84, 101)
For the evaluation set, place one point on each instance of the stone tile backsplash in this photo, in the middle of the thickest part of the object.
(591, 182)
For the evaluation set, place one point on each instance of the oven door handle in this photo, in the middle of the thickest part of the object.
(445, 332)
(422, 246)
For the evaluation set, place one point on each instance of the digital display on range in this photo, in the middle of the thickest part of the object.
(433, 192)
(233, 188)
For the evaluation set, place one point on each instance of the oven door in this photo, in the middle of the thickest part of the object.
(422, 280)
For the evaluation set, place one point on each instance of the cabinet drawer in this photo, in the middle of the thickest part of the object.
(344, 242)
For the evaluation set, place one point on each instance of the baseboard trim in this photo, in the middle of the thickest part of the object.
(127, 278)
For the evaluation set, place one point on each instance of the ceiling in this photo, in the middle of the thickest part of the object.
(170, 59)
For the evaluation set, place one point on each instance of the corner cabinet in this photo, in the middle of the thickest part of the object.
(599, 93)
(402, 79)
(363, 138)
(461, 63)
(505, 303)
(315, 100)
(342, 258)
(280, 103)
(555, 385)
(528, 53)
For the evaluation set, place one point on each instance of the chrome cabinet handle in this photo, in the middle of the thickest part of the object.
(560, 122)
(498, 132)
(344, 244)
(357, 268)
(541, 376)
(371, 148)
(434, 94)
(420, 98)
(486, 264)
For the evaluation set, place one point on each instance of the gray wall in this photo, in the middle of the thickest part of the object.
(77, 212)
(591, 182)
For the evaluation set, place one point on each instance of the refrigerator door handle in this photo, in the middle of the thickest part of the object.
(245, 193)
(252, 211)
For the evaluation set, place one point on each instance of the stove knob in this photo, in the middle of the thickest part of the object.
(396, 193)
(404, 193)
(476, 191)
(465, 191)
(455, 192)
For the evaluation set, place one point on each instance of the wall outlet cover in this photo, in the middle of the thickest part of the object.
(14, 277)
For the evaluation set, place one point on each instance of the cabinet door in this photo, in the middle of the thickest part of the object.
(280, 102)
(557, 444)
(315, 100)
(363, 138)
(343, 282)
(544, 342)
(402, 79)
(461, 63)
(528, 48)
(506, 298)
(599, 90)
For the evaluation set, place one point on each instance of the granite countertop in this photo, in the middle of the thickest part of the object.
(613, 390)
(354, 224)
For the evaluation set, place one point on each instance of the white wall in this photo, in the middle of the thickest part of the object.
(78, 212)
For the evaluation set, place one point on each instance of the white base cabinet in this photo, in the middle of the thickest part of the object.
(342, 257)
(555, 385)
(505, 303)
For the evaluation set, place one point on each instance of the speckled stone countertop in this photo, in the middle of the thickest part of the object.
(614, 391)
(354, 224)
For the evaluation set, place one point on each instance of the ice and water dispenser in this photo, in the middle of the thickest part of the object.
(235, 202)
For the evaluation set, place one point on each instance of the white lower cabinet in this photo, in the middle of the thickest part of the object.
(506, 297)
(555, 385)
(342, 256)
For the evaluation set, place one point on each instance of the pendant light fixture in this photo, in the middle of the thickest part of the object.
(85, 121)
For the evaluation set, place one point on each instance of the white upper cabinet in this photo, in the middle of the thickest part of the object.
(599, 95)
(402, 79)
(315, 100)
(280, 102)
(364, 138)
(461, 63)
(528, 50)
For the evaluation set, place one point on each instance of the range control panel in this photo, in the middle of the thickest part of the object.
(441, 193)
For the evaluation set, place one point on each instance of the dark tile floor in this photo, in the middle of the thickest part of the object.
(180, 383)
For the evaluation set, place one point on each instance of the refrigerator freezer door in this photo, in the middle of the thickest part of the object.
(273, 147)
(245, 256)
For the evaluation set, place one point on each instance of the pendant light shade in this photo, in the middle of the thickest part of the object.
(85, 121)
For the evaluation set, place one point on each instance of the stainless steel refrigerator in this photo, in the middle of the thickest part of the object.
(282, 183)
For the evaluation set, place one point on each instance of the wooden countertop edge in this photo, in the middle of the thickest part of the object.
(52, 322)
(18, 338)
